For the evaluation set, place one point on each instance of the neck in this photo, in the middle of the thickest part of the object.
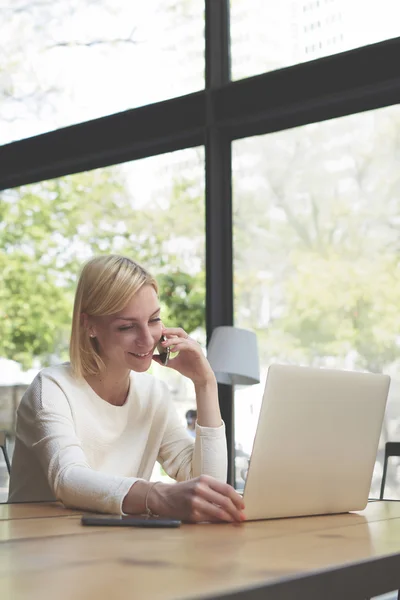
(112, 386)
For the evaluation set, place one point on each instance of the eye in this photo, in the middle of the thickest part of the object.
(126, 327)
(156, 320)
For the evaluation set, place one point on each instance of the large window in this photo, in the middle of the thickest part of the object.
(317, 259)
(68, 61)
(315, 206)
(151, 210)
(271, 35)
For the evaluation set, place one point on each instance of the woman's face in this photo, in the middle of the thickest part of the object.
(128, 338)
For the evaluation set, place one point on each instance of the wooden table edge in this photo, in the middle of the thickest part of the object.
(352, 581)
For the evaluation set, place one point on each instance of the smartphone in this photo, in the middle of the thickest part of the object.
(128, 521)
(163, 352)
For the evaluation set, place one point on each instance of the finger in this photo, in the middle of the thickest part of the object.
(220, 500)
(224, 489)
(178, 331)
(206, 511)
(176, 344)
(188, 341)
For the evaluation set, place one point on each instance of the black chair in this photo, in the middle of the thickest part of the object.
(3, 446)
(391, 449)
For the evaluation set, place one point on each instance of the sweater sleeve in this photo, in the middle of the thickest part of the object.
(46, 427)
(184, 458)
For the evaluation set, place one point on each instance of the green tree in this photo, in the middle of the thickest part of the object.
(183, 297)
(40, 224)
(168, 237)
(347, 307)
(316, 240)
(47, 230)
(34, 312)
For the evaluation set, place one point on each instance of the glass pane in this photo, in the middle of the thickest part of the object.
(65, 62)
(316, 250)
(271, 35)
(151, 210)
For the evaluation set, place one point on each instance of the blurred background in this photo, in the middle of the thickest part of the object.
(316, 208)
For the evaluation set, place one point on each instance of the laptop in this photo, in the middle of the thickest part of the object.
(316, 442)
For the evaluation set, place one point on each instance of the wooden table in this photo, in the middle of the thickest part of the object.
(34, 510)
(45, 554)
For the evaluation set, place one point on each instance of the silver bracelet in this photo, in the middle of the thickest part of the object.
(149, 512)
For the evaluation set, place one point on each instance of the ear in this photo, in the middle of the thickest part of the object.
(85, 322)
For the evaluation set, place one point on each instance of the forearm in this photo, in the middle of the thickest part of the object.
(208, 412)
(86, 489)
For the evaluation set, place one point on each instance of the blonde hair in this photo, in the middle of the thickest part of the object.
(105, 286)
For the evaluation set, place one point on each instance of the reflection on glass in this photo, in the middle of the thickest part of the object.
(271, 35)
(317, 271)
(68, 61)
(151, 210)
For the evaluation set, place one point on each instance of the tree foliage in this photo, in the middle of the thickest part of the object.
(49, 229)
(316, 241)
(316, 221)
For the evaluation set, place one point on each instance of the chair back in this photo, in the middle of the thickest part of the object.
(3, 446)
(391, 449)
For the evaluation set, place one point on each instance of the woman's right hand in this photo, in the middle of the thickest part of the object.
(201, 499)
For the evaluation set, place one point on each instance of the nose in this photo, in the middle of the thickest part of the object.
(145, 338)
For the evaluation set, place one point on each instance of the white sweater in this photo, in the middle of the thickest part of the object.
(73, 446)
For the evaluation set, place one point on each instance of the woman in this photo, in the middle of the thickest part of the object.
(90, 431)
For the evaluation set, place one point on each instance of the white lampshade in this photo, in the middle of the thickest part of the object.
(233, 356)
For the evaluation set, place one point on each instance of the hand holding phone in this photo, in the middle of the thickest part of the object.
(128, 521)
(163, 352)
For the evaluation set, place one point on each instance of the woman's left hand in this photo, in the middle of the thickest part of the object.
(190, 360)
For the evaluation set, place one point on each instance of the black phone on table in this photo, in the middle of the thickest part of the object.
(129, 521)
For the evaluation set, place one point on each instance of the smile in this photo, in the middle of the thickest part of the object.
(137, 355)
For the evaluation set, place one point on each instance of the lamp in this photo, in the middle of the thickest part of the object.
(233, 356)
